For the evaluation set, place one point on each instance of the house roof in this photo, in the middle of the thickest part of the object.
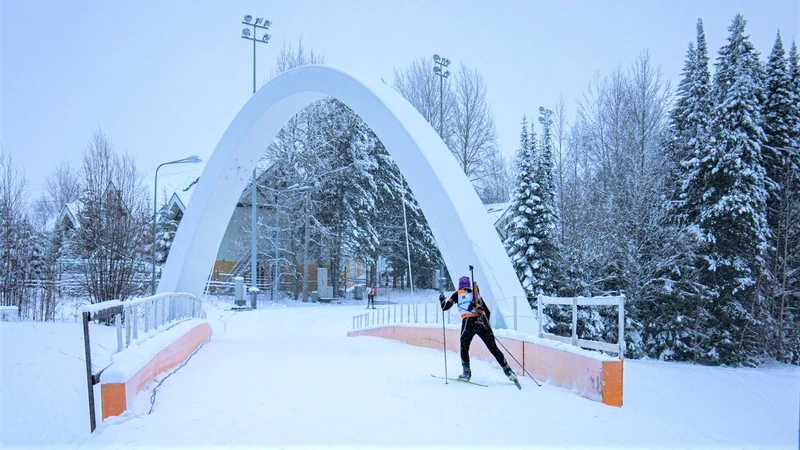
(496, 211)
(69, 212)
(176, 183)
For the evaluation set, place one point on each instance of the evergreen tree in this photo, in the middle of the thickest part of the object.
(166, 226)
(344, 197)
(675, 321)
(780, 122)
(787, 254)
(547, 255)
(690, 125)
(521, 243)
(733, 212)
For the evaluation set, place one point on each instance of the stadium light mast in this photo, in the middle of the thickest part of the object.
(259, 24)
(440, 69)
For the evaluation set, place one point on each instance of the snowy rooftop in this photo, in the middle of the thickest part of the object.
(496, 210)
(175, 178)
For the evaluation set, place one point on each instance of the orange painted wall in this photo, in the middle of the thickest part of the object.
(116, 398)
(592, 378)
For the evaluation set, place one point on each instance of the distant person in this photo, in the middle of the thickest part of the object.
(474, 320)
(371, 297)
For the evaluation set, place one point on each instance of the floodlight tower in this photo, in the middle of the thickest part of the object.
(259, 24)
(440, 69)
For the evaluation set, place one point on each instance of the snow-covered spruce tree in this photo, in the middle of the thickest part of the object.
(787, 252)
(518, 228)
(690, 123)
(345, 194)
(166, 226)
(547, 255)
(733, 214)
(529, 241)
(675, 319)
(781, 123)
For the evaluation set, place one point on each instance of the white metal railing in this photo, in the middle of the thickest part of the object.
(141, 318)
(618, 300)
(408, 313)
(431, 313)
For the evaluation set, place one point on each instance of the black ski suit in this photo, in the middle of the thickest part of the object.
(472, 325)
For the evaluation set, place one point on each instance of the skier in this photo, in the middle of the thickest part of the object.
(371, 297)
(474, 320)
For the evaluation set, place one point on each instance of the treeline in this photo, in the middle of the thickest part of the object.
(686, 202)
(99, 253)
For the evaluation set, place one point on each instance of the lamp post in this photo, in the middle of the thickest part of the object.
(263, 24)
(189, 159)
(439, 68)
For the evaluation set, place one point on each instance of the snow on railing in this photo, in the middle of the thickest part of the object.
(141, 318)
(617, 300)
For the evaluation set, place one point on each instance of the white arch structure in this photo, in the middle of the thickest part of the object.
(459, 222)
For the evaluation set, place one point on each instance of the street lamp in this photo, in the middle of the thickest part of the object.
(188, 159)
(262, 24)
(439, 68)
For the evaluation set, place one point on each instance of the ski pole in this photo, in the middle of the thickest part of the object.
(512, 356)
(444, 335)
(444, 344)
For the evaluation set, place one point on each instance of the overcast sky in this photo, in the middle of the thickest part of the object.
(164, 78)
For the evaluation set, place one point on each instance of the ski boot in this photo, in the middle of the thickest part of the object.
(510, 373)
(467, 373)
(511, 376)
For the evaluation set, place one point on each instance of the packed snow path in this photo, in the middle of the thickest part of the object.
(289, 376)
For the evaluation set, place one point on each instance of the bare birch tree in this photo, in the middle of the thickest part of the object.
(60, 188)
(474, 138)
(112, 241)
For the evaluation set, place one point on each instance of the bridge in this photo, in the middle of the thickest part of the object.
(174, 326)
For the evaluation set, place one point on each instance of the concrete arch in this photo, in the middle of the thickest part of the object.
(456, 216)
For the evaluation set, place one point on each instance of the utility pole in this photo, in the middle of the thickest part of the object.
(440, 69)
(260, 23)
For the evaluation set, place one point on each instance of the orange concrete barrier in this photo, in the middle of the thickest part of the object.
(593, 377)
(116, 398)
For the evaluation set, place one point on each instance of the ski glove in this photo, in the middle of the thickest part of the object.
(441, 297)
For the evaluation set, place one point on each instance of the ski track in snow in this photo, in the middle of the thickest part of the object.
(290, 377)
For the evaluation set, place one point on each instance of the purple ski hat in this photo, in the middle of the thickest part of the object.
(463, 283)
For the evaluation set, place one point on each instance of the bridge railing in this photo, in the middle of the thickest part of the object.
(617, 300)
(430, 312)
(141, 318)
(136, 321)
(521, 318)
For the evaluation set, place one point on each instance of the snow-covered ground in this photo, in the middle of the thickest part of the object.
(287, 376)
